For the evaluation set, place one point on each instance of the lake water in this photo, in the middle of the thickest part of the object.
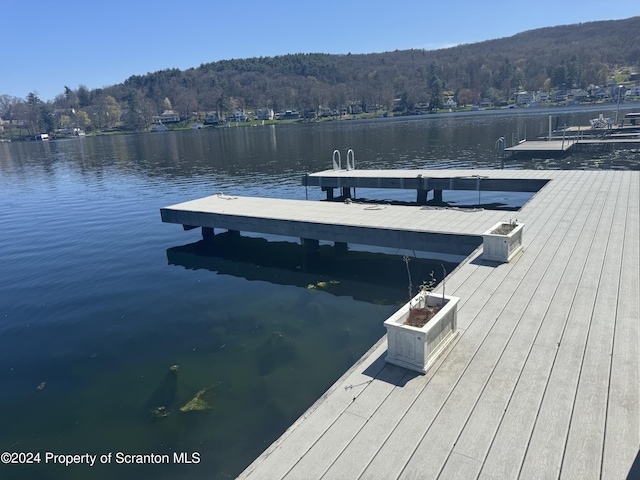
(111, 321)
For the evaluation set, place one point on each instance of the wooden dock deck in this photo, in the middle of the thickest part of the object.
(610, 141)
(421, 179)
(563, 147)
(543, 146)
(543, 380)
(431, 229)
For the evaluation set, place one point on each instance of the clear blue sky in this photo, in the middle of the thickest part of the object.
(47, 45)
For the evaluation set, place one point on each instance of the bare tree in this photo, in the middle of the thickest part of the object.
(9, 107)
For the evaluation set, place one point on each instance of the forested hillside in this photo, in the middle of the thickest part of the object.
(572, 56)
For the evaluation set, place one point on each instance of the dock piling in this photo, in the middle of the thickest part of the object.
(208, 234)
(421, 198)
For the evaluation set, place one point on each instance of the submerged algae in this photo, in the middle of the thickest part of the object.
(199, 403)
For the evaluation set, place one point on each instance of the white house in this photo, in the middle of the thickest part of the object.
(633, 92)
(450, 103)
(264, 114)
(239, 116)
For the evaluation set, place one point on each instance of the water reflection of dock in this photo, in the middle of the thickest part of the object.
(542, 381)
(365, 276)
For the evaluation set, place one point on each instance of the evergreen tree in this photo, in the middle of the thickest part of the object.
(435, 88)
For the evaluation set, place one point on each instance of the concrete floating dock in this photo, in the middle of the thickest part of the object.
(562, 147)
(611, 141)
(423, 181)
(480, 180)
(431, 229)
(543, 380)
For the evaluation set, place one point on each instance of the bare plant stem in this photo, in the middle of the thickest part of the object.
(406, 259)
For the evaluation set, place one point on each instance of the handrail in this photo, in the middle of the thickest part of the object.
(351, 156)
(337, 166)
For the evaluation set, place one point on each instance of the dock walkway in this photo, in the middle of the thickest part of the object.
(414, 179)
(543, 146)
(543, 380)
(425, 228)
(562, 147)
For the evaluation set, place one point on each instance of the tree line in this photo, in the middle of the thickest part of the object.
(571, 56)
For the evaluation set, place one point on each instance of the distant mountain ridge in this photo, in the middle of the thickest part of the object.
(577, 55)
(581, 56)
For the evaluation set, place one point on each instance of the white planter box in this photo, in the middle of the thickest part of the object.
(417, 348)
(502, 248)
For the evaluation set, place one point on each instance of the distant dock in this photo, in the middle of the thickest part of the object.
(543, 146)
(564, 147)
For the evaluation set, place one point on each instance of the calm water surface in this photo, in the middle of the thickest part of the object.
(111, 321)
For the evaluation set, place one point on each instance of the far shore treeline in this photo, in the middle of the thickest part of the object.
(589, 62)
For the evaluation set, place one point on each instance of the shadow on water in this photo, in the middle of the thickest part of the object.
(164, 397)
(634, 473)
(366, 276)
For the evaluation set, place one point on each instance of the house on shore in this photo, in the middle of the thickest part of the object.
(168, 116)
(325, 111)
(524, 98)
(292, 114)
(264, 114)
(239, 116)
(211, 119)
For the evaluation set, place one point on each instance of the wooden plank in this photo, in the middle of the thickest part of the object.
(424, 457)
(353, 460)
(332, 442)
(521, 394)
(543, 146)
(459, 467)
(510, 443)
(554, 322)
(398, 447)
(390, 226)
(622, 434)
(446, 426)
(547, 445)
(583, 453)
(541, 281)
(475, 381)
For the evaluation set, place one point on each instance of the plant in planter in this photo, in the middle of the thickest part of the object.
(422, 328)
(503, 241)
(420, 312)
